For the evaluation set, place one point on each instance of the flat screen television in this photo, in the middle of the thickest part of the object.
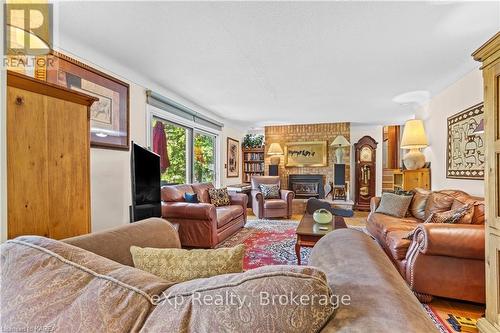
(146, 187)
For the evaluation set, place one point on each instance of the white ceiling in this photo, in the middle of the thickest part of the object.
(289, 62)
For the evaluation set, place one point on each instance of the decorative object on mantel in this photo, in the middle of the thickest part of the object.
(275, 152)
(465, 154)
(365, 171)
(252, 141)
(340, 142)
(109, 116)
(306, 154)
(414, 139)
(233, 158)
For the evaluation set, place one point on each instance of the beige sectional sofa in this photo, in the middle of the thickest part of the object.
(87, 284)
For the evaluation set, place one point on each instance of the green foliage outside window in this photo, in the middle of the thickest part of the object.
(203, 159)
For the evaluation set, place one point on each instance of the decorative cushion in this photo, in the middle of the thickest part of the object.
(191, 197)
(219, 196)
(270, 299)
(438, 203)
(394, 205)
(180, 265)
(418, 203)
(469, 216)
(270, 191)
(451, 216)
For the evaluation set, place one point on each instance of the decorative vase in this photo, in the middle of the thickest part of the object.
(414, 159)
(322, 216)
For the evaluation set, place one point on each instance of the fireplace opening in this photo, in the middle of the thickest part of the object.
(306, 186)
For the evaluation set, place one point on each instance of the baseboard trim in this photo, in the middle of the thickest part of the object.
(484, 326)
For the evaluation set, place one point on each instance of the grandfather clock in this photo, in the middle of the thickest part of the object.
(365, 171)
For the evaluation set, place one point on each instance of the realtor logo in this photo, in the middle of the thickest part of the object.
(28, 29)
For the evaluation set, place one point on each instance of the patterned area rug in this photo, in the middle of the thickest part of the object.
(268, 242)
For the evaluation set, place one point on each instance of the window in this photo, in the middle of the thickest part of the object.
(204, 157)
(192, 152)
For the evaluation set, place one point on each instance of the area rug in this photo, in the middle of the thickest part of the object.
(268, 242)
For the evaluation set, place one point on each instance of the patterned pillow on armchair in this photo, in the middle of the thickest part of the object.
(270, 191)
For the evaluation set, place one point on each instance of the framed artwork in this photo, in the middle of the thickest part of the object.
(233, 158)
(109, 117)
(465, 153)
(303, 154)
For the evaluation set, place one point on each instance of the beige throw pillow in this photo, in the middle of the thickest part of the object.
(178, 265)
(394, 204)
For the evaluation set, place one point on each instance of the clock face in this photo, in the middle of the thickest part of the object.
(365, 155)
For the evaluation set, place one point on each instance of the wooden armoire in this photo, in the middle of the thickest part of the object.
(48, 155)
(489, 56)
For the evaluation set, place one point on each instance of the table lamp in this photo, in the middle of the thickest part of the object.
(414, 139)
(275, 152)
(340, 142)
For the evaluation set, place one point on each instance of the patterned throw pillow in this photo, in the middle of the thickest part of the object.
(219, 197)
(452, 216)
(394, 205)
(270, 191)
(469, 216)
(178, 265)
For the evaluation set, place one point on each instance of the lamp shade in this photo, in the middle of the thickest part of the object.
(275, 149)
(340, 141)
(414, 135)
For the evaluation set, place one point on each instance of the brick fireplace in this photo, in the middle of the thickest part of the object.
(307, 186)
(284, 134)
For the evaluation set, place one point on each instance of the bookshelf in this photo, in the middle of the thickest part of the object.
(253, 163)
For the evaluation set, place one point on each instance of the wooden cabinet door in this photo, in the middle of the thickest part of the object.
(27, 165)
(68, 172)
(492, 188)
(489, 55)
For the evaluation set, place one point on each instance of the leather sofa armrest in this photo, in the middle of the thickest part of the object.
(257, 196)
(287, 195)
(238, 199)
(257, 203)
(192, 211)
(451, 240)
(374, 202)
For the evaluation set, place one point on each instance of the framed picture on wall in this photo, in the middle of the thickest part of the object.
(233, 158)
(109, 117)
(306, 154)
(465, 150)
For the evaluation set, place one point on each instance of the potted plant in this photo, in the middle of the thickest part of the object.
(253, 141)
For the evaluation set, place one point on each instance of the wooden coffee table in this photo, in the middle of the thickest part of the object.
(309, 233)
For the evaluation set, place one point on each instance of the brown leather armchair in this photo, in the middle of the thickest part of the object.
(264, 208)
(444, 260)
(202, 225)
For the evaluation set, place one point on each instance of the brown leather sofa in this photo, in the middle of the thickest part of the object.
(202, 225)
(264, 208)
(444, 260)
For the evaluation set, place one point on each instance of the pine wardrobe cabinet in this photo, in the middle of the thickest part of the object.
(48, 155)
